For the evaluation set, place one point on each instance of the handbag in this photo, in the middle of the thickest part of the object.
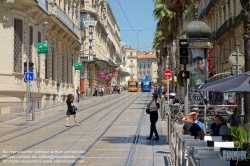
(73, 109)
(148, 111)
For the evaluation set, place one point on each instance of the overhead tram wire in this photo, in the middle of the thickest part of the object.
(129, 23)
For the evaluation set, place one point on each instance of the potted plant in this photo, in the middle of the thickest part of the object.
(241, 137)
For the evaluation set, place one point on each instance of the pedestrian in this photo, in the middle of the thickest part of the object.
(96, 89)
(102, 90)
(77, 94)
(70, 110)
(153, 107)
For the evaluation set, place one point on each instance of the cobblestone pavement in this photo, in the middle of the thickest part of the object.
(104, 137)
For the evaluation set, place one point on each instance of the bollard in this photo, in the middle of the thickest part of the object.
(33, 110)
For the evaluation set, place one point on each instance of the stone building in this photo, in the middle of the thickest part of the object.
(225, 20)
(23, 25)
(106, 45)
(130, 61)
(147, 65)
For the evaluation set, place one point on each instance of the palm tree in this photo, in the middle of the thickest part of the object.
(178, 7)
(164, 17)
(246, 24)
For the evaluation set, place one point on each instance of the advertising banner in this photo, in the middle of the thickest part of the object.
(102, 74)
(210, 60)
(197, 67)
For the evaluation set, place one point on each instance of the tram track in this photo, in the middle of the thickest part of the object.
(47, 119)
(57, 134)
(79, 157)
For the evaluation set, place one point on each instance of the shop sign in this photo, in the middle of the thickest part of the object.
(210, 60)
(115, 74)
(102, 74)
(107, 77)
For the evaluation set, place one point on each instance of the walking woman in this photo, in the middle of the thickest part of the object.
(70, 110)
(153, 107)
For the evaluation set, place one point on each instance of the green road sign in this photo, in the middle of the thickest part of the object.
(42, 48)
(78, 65)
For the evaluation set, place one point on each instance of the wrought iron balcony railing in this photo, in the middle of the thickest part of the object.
(66, 20)
(44, 5)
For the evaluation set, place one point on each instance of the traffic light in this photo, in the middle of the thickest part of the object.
(184, 74)
(183, 51)
(31, 67)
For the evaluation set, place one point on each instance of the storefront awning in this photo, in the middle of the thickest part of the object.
(101, 64)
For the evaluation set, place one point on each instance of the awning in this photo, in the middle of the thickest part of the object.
(101, 64)
(244, 88)
(123, 73)
(225, 84)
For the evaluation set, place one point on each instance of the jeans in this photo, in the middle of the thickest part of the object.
(77, 97)
(153, 121)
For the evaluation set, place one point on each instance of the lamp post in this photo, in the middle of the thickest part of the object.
(90, 23)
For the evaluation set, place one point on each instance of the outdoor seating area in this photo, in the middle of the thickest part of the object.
(216, 150)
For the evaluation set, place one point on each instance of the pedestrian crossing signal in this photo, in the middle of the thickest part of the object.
(184, 74)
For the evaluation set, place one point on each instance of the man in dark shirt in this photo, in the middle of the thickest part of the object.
(221, 127)
(191, 128)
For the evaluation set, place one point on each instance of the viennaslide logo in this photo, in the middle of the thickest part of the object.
(235, 155)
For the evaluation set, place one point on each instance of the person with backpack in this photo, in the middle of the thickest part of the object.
(153, 106)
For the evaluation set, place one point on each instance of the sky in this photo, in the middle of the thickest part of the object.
(140, 15)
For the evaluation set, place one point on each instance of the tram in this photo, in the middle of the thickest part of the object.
(133, 85)
(146, 85)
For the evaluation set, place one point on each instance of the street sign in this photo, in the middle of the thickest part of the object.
(90, 22)
(168, 74)
(42, 48)
(78, 65)
(29, 76)
(233, 60)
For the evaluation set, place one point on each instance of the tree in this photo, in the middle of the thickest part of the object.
(246, 25)
(178, 7)
(165, 19)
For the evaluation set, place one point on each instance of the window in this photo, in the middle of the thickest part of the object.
(131, 61)
(63, 69)
(18, 42)
(148, 65)
(30, 43)
(144, 65)
(131, 54)
(140, 66)
(39, 39)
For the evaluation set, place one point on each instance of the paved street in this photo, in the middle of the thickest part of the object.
(110, 133)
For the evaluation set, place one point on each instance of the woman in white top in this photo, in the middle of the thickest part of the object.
(153, 107)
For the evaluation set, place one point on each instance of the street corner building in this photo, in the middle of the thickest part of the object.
(24, 24)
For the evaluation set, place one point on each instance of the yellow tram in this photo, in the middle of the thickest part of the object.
(133, 85)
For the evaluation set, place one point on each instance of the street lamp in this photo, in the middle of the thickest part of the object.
(91, 23)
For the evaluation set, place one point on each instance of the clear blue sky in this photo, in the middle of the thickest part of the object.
(140, 16)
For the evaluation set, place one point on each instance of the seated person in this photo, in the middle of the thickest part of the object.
(221, 128)
(191, 128)
(212, 127)
(234, 119)
(194, 114)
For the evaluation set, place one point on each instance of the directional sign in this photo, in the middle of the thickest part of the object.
(42, 48)
(29, 76)
(168, 74)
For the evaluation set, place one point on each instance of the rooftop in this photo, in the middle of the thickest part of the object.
(146, 55)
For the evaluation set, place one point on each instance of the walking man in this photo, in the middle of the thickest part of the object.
(77, 94)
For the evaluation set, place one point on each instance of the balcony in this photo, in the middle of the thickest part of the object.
(223, 29)
(44, 5)
(238, 20)
(66, 20)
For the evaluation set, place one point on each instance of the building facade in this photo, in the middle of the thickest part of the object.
(23, 25)
(106, 45)
(147, 65)
(130, 61)
(225, 20)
